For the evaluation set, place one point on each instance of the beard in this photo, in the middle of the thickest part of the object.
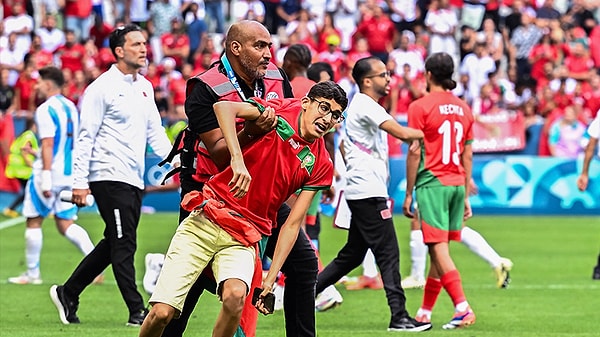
(251, 70)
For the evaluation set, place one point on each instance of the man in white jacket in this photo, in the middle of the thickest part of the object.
(118, 120)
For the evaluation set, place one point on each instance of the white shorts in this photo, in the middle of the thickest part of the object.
(35, 204)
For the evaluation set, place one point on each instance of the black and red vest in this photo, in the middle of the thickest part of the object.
(202, 165)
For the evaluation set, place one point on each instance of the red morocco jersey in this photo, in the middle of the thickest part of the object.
(280, 163)
(447, 123)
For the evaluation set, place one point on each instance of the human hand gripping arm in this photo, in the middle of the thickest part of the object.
(467, 162)
(287, 237)
(413, 159)
(583, 179)
(226, 113)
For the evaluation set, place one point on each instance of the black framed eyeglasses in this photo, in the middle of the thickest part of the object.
(324, 109)
(382, 75)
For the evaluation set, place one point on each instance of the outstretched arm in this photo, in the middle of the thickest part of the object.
(583, 179)
(401, 132)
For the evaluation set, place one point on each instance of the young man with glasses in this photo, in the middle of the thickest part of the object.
(239, 205)
(365, 151)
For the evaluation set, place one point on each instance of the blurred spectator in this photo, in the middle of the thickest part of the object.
(288, 11)
(271, 17)
(78, 18)
(153, 75)
(39, 56)
(21, 24)
(529, 110)
(406, 53)
(579, 16)
(25, 90)
(176, 44)
(136, 11)
(486, 103)
(578, 63)
(513, 20)
(441, 22)
(468, 37)
(296, 61)
(404, 13)
(406, 87)
(344, 19)
(326, 30)
(72, 54)
(591, 95)
(176, 90)
(474, 70)
(544, 52)
(196, 27)
(493, 40)
(524, 38)
(202, 61)
(547, 13)
(162, 12)
(333, 55)
(379, 31)
(214, 10)
(566, 135)
(52, 37)
(7, 93)
(360, 50)
(320, 72)
(12, 59)
(305, 28)
(74, 89)
(249, 10)
(100, 32)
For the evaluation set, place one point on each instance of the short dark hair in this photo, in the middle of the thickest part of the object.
(441, 67)
(53, 74)
(299, 54)
(362, 68)
(314, 71)
(117, 37)
(329, 90)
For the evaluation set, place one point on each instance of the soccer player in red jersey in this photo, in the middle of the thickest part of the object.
(237, 207)
(440, 171)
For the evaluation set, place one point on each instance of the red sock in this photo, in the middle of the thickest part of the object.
(433, 286)
(451, 282)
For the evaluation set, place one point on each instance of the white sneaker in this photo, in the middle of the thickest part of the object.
(278, 291)
(412, 282)
(154, 263)
(329, 298)
(24, 279)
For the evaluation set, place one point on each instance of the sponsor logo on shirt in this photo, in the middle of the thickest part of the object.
(272, 95)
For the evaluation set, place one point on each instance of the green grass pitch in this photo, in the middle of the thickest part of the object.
(551, 294)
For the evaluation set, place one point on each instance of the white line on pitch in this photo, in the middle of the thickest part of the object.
(11, 222)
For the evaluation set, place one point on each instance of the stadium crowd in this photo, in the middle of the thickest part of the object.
(536, 57)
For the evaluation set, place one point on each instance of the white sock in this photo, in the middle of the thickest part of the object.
(462, 306)
(80, 238)
(418, 254)
(369, 265)
(422, 312)
(477, 244)
(33, 249)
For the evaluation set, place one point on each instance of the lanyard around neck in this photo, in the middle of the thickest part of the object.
(233, 80)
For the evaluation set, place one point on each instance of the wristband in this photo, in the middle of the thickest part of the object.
(46, 183)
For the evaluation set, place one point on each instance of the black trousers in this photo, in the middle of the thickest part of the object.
(371, 226)
(21, 196)
(119, 205)
(300, 270)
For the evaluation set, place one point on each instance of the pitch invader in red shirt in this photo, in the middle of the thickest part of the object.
(440, 169)
(241, 212)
